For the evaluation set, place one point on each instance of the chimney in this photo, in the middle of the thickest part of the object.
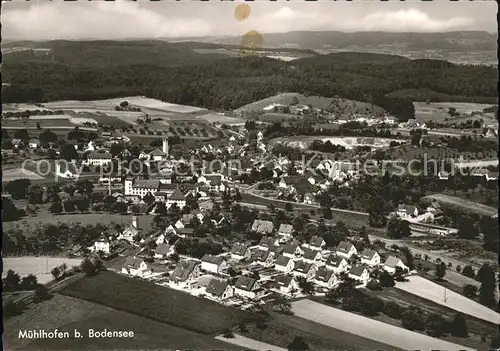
(135, 222)
(165, 146)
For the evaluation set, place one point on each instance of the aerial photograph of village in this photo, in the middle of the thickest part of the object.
(276, 176)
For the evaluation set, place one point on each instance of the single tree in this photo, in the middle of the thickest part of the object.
(440, 270)
(56, 208)
(56, 272)
(87, 267)
(386, 279)
(486, 275)
(11, 281)
(458, 326)
(283, 305)
(468, 271)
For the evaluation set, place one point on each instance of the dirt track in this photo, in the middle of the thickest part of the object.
(369, 328)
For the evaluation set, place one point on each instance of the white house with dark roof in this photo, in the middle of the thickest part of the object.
(262, 227)
(285, 283)
(285, 231)
(370, 257)
(98, 158)
(140, 187)
(304, 269)
(247, 287)
(157, 155)
(263, 257)
(292, 250)
(266, 242)
(359, 273)
(316, 243)
(213, 264)
(284, 264)
(311, 256)
(102, 244)
(130, 232)
(135, 267)
(338, 264)
(407, 211)
(240, 251)
(325, 278)
(392, 262)
(346, 249)
(186, 272)
(178, 198)
(163, 251)
(219, 290)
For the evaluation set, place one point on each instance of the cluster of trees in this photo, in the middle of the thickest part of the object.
(327, 146)
(13, 282)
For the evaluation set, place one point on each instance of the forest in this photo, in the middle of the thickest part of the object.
(89, 71)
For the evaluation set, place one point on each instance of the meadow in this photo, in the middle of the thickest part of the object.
(438, 111)
(67, 313)
(38, 266)
(158, 303)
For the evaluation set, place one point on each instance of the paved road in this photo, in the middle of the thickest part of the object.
(433, 292)
(250, 344)
(370, 328)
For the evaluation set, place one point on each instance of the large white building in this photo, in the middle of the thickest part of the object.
(99, 158)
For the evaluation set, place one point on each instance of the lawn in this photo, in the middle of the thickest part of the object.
(340, 106)
(158, 303)
(438, 111)
(68, 313)
(220, 118)
(281, 329)
(39, 266)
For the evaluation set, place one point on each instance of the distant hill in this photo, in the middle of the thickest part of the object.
(313, 40)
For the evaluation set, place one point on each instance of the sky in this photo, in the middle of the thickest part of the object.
(169, 19)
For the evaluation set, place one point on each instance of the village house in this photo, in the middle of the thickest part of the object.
(292, 250)
(219, 289)
(163, 251)
(262, 257)
(336, 263)
(285, 231)
(316, 243)
(325, 278)
(346, 249)
(131, 232)
(434, 208)
(262, 227)
(135, 267)
(177, 198)
(102, 244)
(370, 257)
(286, 284)
(98, 158)
(360, 274)
(266, 242)
(304, 269)
(161, 239)
(247, 287)
(186, 272)
(284, 264)
(67, 170)
(407, 211)
(392, 262)
(213, 264)
(311, 256)
(240, 251)
(140, 187)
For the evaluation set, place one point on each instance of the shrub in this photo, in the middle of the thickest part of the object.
(412, 318)
(374, 285)
(228, 333)
(458, 326)
(386, 280)
(392, 309)
(470, 291)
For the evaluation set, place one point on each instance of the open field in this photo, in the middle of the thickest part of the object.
(410, 152)
(157, 303)
(461, 204)
(303, 142)
(338, 105)
(39, 266)
(54, 122)
(66, 314)
(438, 111)
(281, 329)
(277, 117)
(19, 173)
(369, 328)
(433, 292)
(220, 118)
(22, 107)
